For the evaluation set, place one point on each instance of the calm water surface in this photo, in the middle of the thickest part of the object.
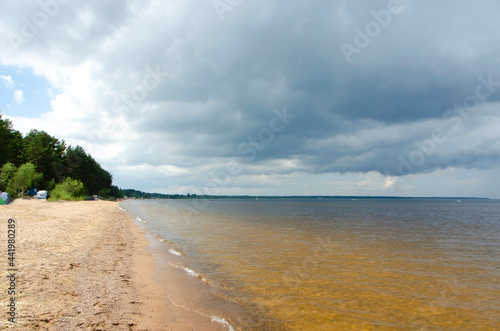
(332, 264)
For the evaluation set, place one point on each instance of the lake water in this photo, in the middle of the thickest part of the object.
(330, 264)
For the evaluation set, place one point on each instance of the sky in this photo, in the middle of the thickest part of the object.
(393, 98)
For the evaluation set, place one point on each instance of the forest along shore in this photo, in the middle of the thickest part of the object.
(83, 265)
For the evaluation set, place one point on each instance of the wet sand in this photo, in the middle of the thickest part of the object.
(84, 265)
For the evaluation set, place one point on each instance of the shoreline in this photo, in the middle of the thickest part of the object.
(85, 264)
(182, 289)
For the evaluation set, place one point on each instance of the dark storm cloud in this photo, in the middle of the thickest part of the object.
(221, 80)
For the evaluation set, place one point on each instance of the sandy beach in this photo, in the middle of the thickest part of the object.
(84, 265)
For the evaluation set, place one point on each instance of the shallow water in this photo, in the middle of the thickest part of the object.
(331, 264)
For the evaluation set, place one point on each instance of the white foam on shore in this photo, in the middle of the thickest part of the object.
(190, 272)
(174, 252)
(141, 219)
(122, 209)
(222, 321)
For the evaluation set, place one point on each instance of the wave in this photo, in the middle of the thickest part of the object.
(190, 272)
(174, 252)
(222, 321)
(163, 240)
(141, 219)
(122, 209)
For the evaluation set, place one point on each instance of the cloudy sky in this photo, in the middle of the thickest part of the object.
(264, 97)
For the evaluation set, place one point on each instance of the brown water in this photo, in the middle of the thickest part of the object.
(332, 264)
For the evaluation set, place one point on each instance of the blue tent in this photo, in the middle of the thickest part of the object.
(5, 198)
(32, 192)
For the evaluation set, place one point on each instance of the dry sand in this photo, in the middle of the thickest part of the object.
(83, 265)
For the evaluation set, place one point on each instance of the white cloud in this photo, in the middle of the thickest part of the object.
(376, 182)
(390, 182)
(8, 81)
(19, 96)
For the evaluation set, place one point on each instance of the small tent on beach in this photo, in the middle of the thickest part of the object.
(32, 192)
(42, 195)
(5, 198)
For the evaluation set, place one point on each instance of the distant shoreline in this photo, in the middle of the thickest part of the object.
(298, 197)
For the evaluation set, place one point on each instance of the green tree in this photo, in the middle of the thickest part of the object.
(25, 178)
(80, 165)
(70, 189)
(46, 153)
(115, 192)
(8, 171)
(53, 162)
(11, 142)
(105, 193)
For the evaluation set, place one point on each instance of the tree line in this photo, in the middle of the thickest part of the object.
(45, 162)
